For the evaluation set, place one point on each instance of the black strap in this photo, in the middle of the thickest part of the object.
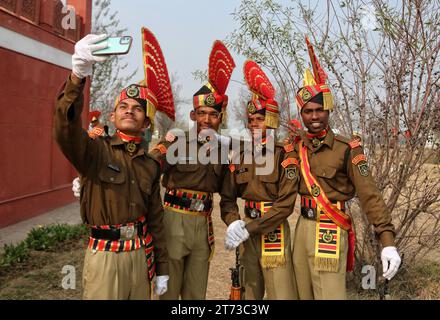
(186, 202)
(113, 234)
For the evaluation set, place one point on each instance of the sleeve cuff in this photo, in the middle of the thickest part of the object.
(231, 217)
(162, 268)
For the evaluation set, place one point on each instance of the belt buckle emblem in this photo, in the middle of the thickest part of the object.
(127, 232)
(310, 213)
(196, 205)
(253, 213)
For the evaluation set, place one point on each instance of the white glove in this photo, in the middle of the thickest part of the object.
(82, 59)
(235, 234)
(161, 284)
(76, 187)
(390, 262)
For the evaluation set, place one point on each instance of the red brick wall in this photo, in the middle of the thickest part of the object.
(34, 177)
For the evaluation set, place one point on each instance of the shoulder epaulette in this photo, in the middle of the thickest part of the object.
(354, 144)
(342, 139)
(289, 147)
(289, 161)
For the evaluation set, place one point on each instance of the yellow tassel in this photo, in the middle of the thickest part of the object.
(328, 100)
(269, 262)
(211, 254)
(326, 264)
(271, 119)
(150, 112)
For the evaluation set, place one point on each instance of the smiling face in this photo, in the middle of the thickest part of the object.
(206, 118)
(129, 117)
(314, 117)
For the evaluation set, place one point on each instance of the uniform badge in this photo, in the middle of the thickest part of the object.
(327, 237)
(132, 92)
(210, 100)
(306, 95)
(272, 236)
(291, 173)
(363, 169)
(130, 147)
(315, 191)
(251, 108)
(316, 142)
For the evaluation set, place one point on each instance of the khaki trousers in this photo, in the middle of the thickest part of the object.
(116, 275)
(279, 283)
(312, 284)
(188, 249)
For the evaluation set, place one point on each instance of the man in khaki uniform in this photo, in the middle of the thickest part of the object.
(269, 199)
(120, 191)
(333, 170)
(190, 183)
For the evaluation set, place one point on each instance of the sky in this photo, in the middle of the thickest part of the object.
(186, 31)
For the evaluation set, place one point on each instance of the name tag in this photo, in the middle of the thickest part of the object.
(114, 167)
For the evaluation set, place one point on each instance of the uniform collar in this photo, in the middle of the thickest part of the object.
(328, 140)
(117, 141)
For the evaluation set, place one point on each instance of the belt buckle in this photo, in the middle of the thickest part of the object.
(127, 232)
(254, 213)
(311, 213)
(197, 205)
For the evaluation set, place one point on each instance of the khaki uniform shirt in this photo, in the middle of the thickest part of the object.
(279, 187)
(116, 187)
(190, 173)
(334, 164)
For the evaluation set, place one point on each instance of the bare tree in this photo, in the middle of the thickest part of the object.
(107, 80)
(383, 65)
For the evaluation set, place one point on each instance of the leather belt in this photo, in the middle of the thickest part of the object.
(192, 203)
(309, 207)
(122, 233)
(252, 209)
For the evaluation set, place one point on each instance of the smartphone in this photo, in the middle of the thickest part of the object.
(116, 45)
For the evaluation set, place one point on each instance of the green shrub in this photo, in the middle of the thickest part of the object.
(14, 254)
(42, 238)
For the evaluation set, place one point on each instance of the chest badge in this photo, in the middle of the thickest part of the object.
(315, 191)
(316, 142)
(130, 147)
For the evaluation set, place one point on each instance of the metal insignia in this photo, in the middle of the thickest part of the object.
(131, 147)
(291, 173)
(310, 213)
(327, 237)
(197, 205)
(133, 92)
(251, 108)
(210, 100)
(254, 213)
(315, 191)
(316, 142)
(306, 95)
(363, 169)
(272, 236)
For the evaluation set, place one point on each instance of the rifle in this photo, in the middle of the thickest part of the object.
(237, 274)
(385, 293)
